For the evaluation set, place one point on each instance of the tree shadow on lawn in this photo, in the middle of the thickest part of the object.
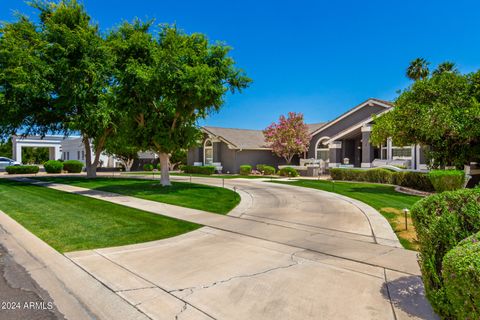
(408, 294)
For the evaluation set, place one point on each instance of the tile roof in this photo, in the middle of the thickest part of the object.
(246, 138)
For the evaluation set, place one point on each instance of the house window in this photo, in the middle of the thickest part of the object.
(78, 155)
(83, 155)
(321, 150)
(208, 152)
(402, 152)
(68, 156)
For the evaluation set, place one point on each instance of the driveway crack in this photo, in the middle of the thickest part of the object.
(213, 284)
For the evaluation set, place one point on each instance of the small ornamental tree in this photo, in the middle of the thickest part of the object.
(288, 137)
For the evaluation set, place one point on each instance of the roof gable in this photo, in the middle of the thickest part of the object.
(370, 102)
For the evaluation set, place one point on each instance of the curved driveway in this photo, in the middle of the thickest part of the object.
(284, 253)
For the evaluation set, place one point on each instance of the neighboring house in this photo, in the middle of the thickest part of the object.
(74, 149)
(65, 148)
(342, 142)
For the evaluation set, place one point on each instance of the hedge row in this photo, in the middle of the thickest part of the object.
(409, 179)
(22, 169)
(266, 169)
(245, 169)
(53, 166)
(461, 278)
(73, 166)
(288, 172)
(208, 170)
(442, 221)
(447, 180)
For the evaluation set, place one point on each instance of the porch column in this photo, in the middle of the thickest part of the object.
(389, 149)
(335, 149)
(367, 148)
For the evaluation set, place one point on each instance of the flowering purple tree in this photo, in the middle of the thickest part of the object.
(288, 137)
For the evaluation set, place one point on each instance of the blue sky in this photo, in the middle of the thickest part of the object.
(316, 57)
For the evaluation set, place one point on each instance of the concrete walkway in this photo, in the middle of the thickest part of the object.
(284, 253)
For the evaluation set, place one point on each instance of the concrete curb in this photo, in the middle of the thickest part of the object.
(75, 293)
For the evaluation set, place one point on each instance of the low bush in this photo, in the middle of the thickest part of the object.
(73, 166)
(245, 169)
(288, 172)
(159, 166)
(409, 179)
(53, 166)
(461, 277)
(447, 180)
(22, 169)
(347, 174)
(148, 167)
(268, 170)
(442, 221)
(378, 175)
(207, 170)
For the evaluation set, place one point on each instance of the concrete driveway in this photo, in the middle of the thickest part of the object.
(286, 253)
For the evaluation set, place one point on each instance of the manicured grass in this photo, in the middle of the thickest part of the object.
(383, 198)
(70, 222)
(190, 195)
(218, 176)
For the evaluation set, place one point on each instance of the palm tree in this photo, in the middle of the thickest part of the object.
(445, 67)
(418, 69)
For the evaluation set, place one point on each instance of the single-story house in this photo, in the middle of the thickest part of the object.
(342, 142)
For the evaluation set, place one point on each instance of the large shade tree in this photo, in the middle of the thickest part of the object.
(441, 112)
(168, 81)
(56, 77)
(288, 137)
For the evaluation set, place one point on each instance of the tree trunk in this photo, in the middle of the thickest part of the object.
(91, 168)
(128, 165)
(165, 177)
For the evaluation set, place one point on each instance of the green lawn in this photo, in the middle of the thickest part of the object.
(383, 198)
(70, 222)
(190, 195)
(218, 176)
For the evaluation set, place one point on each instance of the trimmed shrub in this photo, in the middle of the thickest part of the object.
(73, 166)
(245, 169)
(461, 277)
(207, 170)
(347, 174)
(447, 180)
(53, 166)
(159, 166)
(21, 169)
(268, 170)
(148, 167)
(288, 172)
(409, 179)
(442, 221)
(378, 175)
(414, 180)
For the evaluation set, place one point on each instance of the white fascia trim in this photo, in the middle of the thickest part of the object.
(366, 165)
(355, 127)
(366, 128)
(350, 112)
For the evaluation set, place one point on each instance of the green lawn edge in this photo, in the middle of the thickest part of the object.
(70, 222)
(184, 194)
